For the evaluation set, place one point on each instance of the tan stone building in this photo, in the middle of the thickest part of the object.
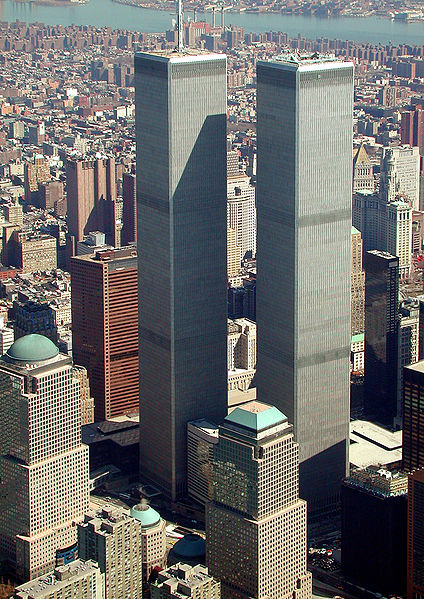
(34, 252)
(153, 537)
(233, 254)
(87, 402)
(241, 353)
(79, 580)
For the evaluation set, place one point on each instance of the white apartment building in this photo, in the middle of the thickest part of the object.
(400, 174)
(77, 580)
(113, 538)
(44, 472)
(385, 226)
(397, 221)
(241, 212)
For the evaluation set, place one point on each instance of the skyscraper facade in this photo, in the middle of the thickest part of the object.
(129, 209)
(357, 285)
(413, 417)
(181, 211)
(104, 328)
(415, 559)
(381, 335)
(256, 523)
(304, 126)
(43, 464)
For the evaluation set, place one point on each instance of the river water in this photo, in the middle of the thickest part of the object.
(108, 13)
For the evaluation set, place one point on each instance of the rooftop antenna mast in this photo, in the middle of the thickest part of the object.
(180, 28)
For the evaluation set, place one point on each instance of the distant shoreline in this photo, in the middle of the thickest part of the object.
(56, 3)
(243, 10)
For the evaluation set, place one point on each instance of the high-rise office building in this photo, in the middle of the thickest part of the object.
(363, 175)
(381, 335)
(129, 209)
(415, 551)
(91, 185)
(304, 197)
(241, 212)
(412, 128)
(34, 317)
(112, 538)
(43, 464)
(202, 435)
(374, 511)
(181, 211)
(104, 328)
(357, 275)
(413, 417)
(256, 523)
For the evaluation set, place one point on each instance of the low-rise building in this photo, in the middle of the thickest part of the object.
(183, 580)
(79, 580)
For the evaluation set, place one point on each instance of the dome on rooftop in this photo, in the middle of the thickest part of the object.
(145, 514)
(32, 348)
(190, 547)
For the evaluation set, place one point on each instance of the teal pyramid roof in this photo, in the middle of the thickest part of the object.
(256, 416)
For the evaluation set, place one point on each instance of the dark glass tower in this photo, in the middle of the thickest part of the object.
(381, 336)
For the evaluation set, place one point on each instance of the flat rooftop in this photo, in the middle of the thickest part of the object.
(372, 444)
(417, 367)
(184, 55)
(308, 61)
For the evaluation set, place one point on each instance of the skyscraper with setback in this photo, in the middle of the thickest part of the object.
(304, 125)
(181, 211)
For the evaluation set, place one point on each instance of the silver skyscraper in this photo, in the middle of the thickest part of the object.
(304, 126)
(181, 208)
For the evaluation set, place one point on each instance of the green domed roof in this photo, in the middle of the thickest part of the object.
(190, 547)
(32, 348)
(145, 514)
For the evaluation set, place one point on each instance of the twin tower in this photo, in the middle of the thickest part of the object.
(304, 146)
